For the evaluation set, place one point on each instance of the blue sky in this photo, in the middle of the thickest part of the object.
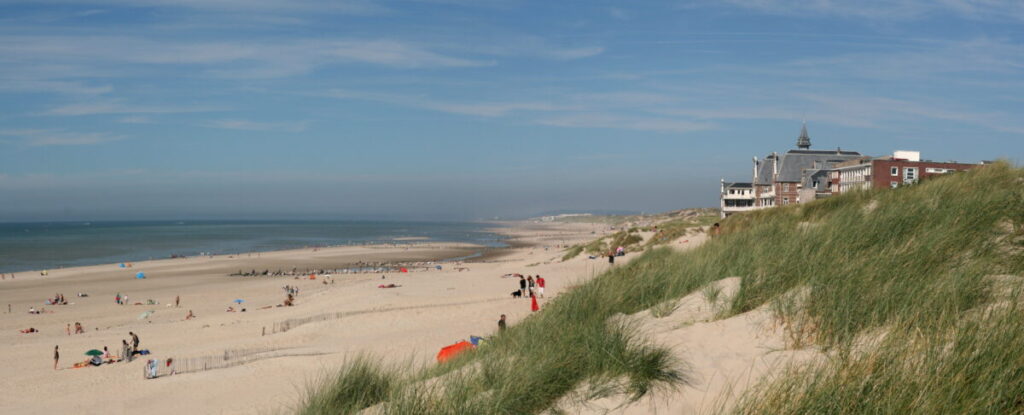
(452, 109)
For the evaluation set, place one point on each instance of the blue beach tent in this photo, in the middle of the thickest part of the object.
(140, 275)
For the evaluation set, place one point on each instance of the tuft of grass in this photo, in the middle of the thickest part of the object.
(360, 383)
(664, 309)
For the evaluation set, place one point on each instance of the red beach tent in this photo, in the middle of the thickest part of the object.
(449, 352)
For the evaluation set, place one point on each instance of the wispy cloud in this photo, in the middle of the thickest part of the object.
(262, 6)
(890, 9)
(44, 137)
(247, 125)
(135, 119)
(482, 109)
(618, 121)
(56, 87)
(116, 107)
(245, 58)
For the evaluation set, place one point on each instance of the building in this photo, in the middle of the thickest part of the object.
(736, 197)
(901, 168)
(803, 175)
(797, 176)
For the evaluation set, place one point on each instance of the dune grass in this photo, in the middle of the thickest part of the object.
(912, 263)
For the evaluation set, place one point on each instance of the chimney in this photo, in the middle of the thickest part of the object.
(755, 171)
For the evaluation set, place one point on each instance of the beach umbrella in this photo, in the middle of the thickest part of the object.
(94, 352)
(140, 275)
(122, 265)
(145, 315)
(239, 301)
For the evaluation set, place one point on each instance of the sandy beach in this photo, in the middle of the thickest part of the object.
(431, 309)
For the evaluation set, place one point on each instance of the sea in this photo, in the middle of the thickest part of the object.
(41, 246)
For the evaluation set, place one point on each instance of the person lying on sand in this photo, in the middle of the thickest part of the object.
(392, 285)
(29, 330)
(230, 309)
(190, 316)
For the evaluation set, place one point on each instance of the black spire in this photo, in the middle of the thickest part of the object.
(804, 141)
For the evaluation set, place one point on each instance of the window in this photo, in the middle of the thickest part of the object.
(909, 174)
(894, 184)
(785, 187)
(894, 171)
(785, 201)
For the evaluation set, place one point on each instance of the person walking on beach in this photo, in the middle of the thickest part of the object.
(126, 353)
(68, 329)
(501, 323)
(540, 285)
(56, 356)
(522, 286)
(530, 284)
(135, 341)
(117, 298)
(177, 301)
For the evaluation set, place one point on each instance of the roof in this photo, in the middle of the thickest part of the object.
(794, 162)
(764, 171)
(737, 185)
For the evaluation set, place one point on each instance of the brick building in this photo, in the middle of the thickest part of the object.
(901, 168)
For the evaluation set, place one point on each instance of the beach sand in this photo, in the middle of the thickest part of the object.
(431, 309)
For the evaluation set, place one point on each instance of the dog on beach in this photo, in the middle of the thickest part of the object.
(517, 294)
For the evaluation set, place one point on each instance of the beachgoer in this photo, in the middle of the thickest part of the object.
(540, 286)
(106, 353)
(117, 298)
(177, 300)
(135, 341)
(501, 323)
(522, 286)
(78, 328)
(189, 316)
(126, 353)
(56, 356)
(68, 329)
(716, 230)
(611, 258)
(530, 284)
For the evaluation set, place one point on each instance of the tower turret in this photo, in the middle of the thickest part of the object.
(804, 141)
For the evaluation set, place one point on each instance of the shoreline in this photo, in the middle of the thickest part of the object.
(387, 242)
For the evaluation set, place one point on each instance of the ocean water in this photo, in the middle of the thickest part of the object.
(37, 245)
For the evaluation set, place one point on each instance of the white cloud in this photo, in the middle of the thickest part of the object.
(42, 137)
(57, 87)
(890, 9)
(246, 6)
(639, 123)
(251, 59)
(247, 125)
(135, 119)
(116, 107)
(483, 109)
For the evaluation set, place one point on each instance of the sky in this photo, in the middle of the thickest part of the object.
(475, 109)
